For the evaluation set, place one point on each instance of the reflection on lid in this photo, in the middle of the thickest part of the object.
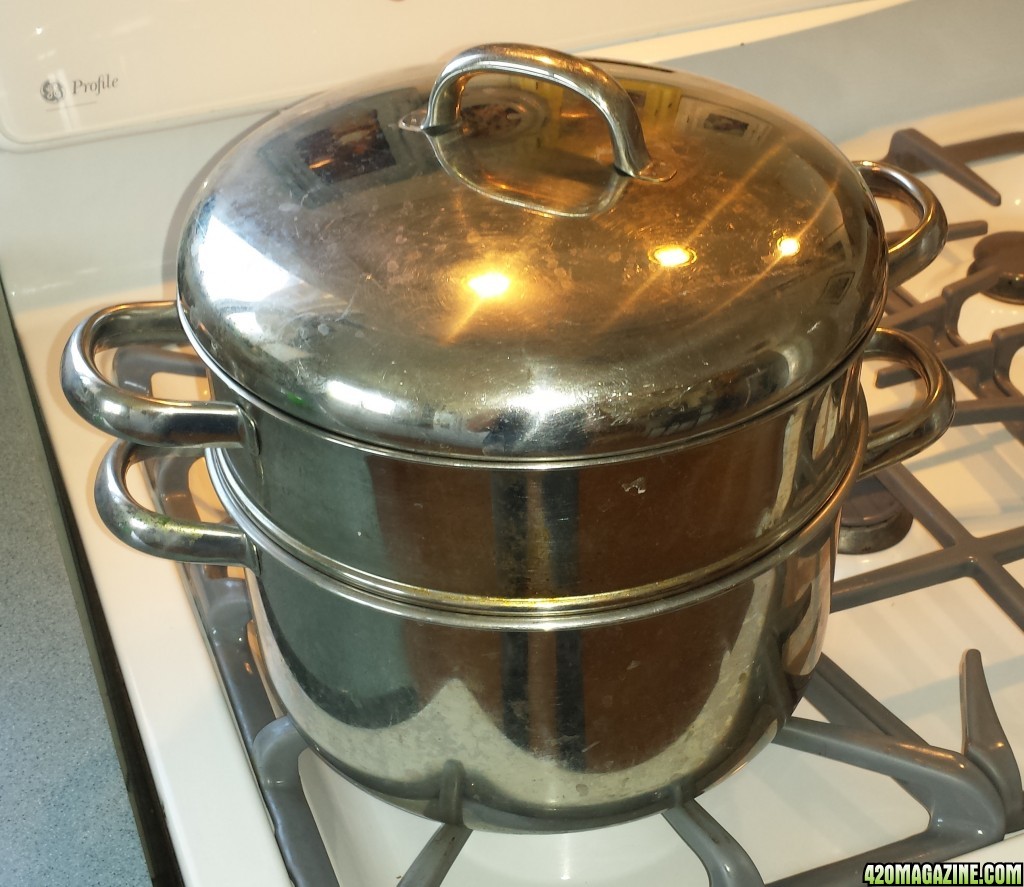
(673, 255)
(349, 147)
(350, 395)
(722, 123)
(787, 246)
(489, 285)
(234, 270)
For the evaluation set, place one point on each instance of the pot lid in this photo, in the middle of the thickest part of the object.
(465, 270)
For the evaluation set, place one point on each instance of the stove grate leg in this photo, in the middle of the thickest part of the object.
(725, 861)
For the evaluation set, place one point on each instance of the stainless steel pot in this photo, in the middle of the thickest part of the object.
(512, 406)
(570, 714)
(438, 362)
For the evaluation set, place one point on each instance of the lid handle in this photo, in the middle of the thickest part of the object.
(630, 149)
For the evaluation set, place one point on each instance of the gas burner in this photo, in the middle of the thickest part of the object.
(872, 520)
(1002, 255)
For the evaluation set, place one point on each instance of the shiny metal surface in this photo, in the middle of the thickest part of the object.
(554, 725)
(555, 535)
(554, 730)
(921, 245)
(556, 530)
(132, 415)
(561, 542)
(486, 538)
(648, 396)
(542, 723)
(570, 72)
(338, 270)
(918, 427)
(537, 498)
(530, 530)
(148, 531)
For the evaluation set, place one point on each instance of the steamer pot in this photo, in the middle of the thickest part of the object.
(492, 347)
(573, 714)
(536, 397)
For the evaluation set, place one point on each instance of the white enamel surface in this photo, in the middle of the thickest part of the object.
(190, 738)
(72, 70)
(87, 225)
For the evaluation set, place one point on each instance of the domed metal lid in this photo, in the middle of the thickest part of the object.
(478, 277)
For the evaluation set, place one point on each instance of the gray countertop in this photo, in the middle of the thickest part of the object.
(65, 816)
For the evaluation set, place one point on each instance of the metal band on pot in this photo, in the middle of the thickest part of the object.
(503, 613)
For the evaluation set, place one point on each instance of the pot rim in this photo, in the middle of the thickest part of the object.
(505, 462)
(497, 613)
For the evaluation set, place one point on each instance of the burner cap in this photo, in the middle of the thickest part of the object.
(1002, 252)
(872, 520)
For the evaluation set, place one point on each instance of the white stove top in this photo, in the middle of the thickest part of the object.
(906, 651)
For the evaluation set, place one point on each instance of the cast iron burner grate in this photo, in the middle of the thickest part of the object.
(973, 798)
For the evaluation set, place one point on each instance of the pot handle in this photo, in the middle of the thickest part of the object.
(158, 534)
(925, 422)
(570, 72)
(919, 247)
(186, 425)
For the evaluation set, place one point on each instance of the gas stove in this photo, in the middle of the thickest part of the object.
(869, 770)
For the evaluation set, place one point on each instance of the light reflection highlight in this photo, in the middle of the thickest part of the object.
(489, 285)
(367, 400)
(673, 255)
(544, 400)
(246, 324)
(234, 270)
(787, 246)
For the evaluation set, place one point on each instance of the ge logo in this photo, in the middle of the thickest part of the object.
(52, 91)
